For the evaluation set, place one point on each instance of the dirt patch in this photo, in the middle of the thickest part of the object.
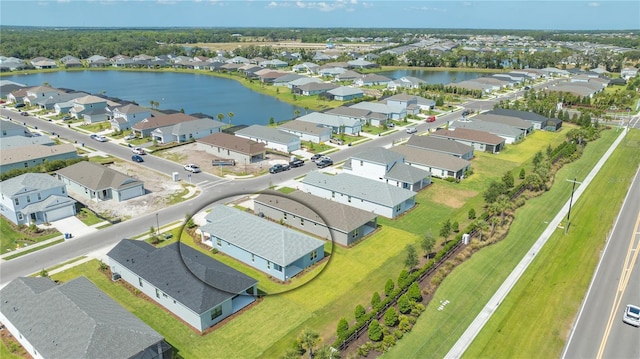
(453, 197)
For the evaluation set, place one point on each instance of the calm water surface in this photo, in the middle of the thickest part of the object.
(434, 77)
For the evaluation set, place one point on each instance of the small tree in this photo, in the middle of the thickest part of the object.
(445, 231)
(230, 115)
(508, 180)
(375, 300)
(359, 312)
(343, 329)
(472, 214)
(522, 174)
(272, 121)
(402, 278)
(220, 117)
(411, 260)
(44, 273)
(375, 331)
(404, 305)
(414, 292)
(427, 243)
(309, 339)
(391, 317)
(455, 226)
(388, 287)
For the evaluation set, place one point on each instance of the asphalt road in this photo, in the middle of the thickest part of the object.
(599, 331)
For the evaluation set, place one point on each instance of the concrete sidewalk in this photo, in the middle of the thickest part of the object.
(493, 304)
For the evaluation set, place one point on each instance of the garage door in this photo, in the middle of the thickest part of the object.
(60, 213)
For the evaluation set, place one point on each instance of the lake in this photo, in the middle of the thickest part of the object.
(198, 93)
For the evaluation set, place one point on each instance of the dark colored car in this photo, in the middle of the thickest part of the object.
(137, 158)
(277, 168)
(465, 112)
(19, 105)
(316, 158)
(24, 113)
(326, 162)
(296, 163)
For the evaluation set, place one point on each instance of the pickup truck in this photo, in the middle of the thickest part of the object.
(325, 162)
(277, 168)
(296, 163)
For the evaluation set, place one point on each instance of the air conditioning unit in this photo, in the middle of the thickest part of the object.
(115, 276)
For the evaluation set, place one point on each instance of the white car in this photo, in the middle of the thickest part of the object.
(101, 138)
(632, 315)
(130, 136)
(411, 130)
(138, 151)
(192, 168)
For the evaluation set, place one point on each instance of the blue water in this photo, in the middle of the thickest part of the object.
(198, 93)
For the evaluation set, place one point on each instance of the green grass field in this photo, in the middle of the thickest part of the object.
(11, 238)
(470, 285)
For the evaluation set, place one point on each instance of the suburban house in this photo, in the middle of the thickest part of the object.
(33, 155)
(539, 122)
(96, 182)
(409, 82)
(394, 111)
(23, 141)
(629, 72)
(413, 103)
(479, 140)
(509, 133)
(17, 96)
(448, 147)
(363, 115)
(302, 81)
(308, 67)
(230, 147)
(340, 223)
(123, 117)
(90, 108)
(381, 164)
(363, 193)
(439, 164)
(187, 131)
(196, 288)
(147, 125)
(307, 131)
(10, 128)
(267, 246)
(272, 138)
(75, 319)
(517, 123)
(50, 102)
(40, 92)
(338, 124)
(35, 198)
(344, 93)
(372, 80)
(313, 88)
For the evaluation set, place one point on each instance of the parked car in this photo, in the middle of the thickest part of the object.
(336, 141)
(192, 168)
(102, 138)
(67, 118)
(24, 113)
(277, 168)
(20, 105)
(296, 163)
(390, 125)
(466, 113)
(138, 151)
(316, 158)
(527, 88)
(411, 130)
(431, 119)
(632, 315)
(130, 136)
(325, 162)
(137, 158)
(94, 136)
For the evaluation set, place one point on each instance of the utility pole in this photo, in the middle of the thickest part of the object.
(566, 228)
(157, 225)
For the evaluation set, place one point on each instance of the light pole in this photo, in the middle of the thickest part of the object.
(566, 228)
(157, 225)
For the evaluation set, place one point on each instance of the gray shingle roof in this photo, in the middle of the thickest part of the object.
(22, 141)
(189, 127)
(525, 115)
(28, 183)
(73, 320)
(33, 152)
(432, 159)
(259, 236)
(359, 187)
(96, 176)
(491, 127)
(345, 91)
(267, 133)
(330, 120)
(439, 144)
(305, 127)
(406, 173)
(510, 121)
(466, 134)
(188, 276)
(379, 155)
(337, 215)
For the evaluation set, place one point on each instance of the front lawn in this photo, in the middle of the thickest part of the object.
(12, 237)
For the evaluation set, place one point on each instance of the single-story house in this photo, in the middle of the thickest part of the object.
(539, 122)
(517, 123)
(479, 140)
(340, 223)
(123, 117)
(232, 147)
(363, 115)
(308, 67)
(629, 72)
(267, 246)
(272, 138)
(187, 131)
(10, 128)
(338, 124)
(307, 131)
(344, 93)
(392, 111)
(147, 125)
(23, 141)
(196, 288)
(96, 182)
(509, 133)
(302, 81)
(406, 82)
(363, 193)
(372, 80)
(448, 147)
(381, 164)
(439, 164)
(75, 319)
(313, 88)
(34, 155)
(35, 198)
(413, 103)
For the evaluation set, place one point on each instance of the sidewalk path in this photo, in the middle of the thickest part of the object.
(492, 305)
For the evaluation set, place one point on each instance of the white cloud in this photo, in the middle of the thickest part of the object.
(327, 6)
(275, 4)
(593, 4)
(429, 9)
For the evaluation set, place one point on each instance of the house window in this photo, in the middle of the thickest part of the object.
(140, 281)
(301, 222)
(219, 242)
(17, 201)
(26, 165)
(398, 208)
(361, 163)
(285, 216)
(354, 234)
(333, 194)
(20, 216)
(28, 199)
(216, 312)
(253, 257)
(349, 199)
(157, 293)
(39, 197)
(313, 254)
(268, 265)
(277, 267)
(63, 190)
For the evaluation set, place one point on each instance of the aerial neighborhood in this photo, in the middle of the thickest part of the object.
(364, 178)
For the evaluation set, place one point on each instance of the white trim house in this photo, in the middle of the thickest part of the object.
(272, 138)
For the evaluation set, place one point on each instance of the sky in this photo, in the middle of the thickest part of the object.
(470, 14)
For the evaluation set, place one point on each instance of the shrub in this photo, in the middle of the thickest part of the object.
(404, 325)
(402, 278)
(359, 312)
(375, 300)
(398, 333)
(391, 317)
(388, 287)
(472, 214)
(404, 306)
(388, 342)
(414, 292)
(375, 331)
(343, 329)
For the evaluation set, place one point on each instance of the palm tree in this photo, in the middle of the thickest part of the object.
(220, 117)
(230, 115)
(482, 226)
(296, 113)
(503, 204)
(309, 339)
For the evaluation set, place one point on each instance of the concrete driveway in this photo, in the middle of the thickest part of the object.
(72, 225)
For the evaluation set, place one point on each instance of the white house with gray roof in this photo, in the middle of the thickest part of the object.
(327, 219)
(441, 145)
(270, 247)
(363, 193)
(509, 133)
(10, 128)
(363, 115)
(439, 164)
(196, 288)
(381, 164)
(124, 117)
(272, 138)
(392, 111)
(31, 155)
(344, 93)
(35, 198)
(338, 124)
(525, 126)
(76, 320)
(187, 130)
(307, 131)
(96, 182)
